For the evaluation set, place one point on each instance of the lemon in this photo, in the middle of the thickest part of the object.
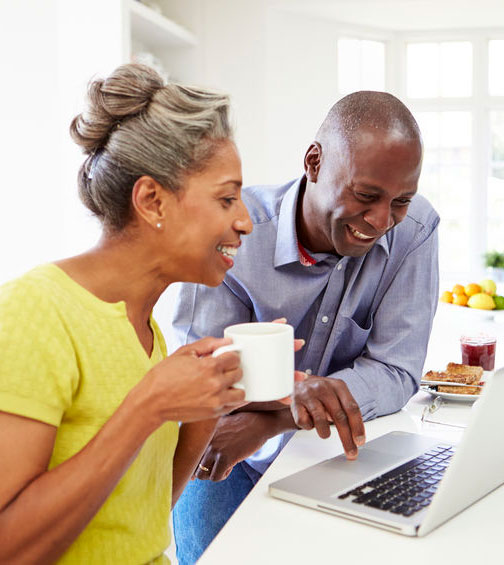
(472, 288)
(481, 301)
(446, 296)
(499, 302)
(488, 286)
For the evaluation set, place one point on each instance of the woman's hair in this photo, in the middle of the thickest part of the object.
(136, 125)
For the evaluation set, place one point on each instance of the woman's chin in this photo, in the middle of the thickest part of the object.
(214, 281)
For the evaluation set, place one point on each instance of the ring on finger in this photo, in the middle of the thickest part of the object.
(203, 468)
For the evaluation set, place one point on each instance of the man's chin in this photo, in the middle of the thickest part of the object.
(353, 250)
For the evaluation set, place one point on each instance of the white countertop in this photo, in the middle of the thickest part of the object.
(266, 531)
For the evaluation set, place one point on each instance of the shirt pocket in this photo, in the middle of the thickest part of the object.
(352, 339)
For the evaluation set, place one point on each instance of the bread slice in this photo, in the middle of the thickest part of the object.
(459, 389)
(459, 369)
(467, 379)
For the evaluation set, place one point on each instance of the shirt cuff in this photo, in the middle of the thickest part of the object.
(360, 391)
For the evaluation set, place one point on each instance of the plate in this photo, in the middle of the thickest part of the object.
(472, 313)
(469, 398)
(444, 383)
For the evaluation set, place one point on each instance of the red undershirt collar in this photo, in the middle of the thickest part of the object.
(304, 257)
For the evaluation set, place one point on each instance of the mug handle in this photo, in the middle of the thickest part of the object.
(227, 349)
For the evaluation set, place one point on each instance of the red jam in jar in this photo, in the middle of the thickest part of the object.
(478, 351)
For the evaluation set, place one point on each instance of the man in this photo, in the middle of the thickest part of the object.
(348, 254)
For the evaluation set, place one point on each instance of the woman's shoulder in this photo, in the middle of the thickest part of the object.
(38, 286)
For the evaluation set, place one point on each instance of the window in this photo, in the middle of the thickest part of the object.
(496, 183)
(439, 69)
(495, 69)
(461, 116)
(446, 179)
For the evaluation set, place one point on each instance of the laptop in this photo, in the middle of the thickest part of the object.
(409, 483)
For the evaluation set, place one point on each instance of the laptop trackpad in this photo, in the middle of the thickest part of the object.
(375, 458)
(329, 478)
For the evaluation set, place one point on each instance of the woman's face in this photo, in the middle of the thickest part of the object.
(208, 220)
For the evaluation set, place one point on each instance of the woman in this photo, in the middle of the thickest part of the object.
(89, 402)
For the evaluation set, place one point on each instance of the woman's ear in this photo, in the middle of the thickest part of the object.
(312, 160)
(148, 198)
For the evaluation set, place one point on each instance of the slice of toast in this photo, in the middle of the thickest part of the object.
(459, 389)
(459, 369)
(452, 377)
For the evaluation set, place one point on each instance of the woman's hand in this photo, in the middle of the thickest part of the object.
(191, 385)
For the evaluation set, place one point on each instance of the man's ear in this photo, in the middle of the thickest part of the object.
(312, 160)
(148, 198)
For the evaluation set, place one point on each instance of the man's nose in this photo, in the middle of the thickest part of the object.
(379, 217)
(243, 223)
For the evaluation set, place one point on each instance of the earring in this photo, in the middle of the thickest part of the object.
(158, 225)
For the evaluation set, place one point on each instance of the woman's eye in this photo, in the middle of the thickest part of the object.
(228, 201)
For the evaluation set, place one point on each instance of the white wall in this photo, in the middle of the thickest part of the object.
(28, 156)
(48, 52)
(301, 79)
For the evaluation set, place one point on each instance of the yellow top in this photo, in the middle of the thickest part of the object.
(69, 359)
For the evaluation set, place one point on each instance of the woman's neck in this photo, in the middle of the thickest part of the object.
(119, 269)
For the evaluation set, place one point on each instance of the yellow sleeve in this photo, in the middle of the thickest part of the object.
(38, 367)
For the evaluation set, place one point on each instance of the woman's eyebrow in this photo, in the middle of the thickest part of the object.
(236, 183)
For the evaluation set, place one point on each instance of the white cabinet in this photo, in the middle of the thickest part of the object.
(153, 38)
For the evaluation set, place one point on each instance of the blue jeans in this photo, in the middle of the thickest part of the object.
(204, 508)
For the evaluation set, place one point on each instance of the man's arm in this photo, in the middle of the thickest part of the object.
(240, 435)
(387, 373)
(316, 403)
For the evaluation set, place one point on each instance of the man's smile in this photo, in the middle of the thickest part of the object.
(359, 235)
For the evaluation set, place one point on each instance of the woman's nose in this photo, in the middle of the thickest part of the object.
(243, 223)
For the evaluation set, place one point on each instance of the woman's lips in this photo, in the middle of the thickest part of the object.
(227, 252)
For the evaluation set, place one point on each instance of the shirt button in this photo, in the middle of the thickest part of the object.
(308, 371)
(339, 267)
(325, 319)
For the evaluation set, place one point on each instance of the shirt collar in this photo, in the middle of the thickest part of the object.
(383, 243)
(286, 249)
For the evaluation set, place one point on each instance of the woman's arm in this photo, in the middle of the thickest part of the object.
(42, 512)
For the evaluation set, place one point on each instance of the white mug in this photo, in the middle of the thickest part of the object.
(267, 359)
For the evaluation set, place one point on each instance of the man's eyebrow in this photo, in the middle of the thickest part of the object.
(381, 191)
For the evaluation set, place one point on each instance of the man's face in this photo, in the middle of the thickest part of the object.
(356, 195)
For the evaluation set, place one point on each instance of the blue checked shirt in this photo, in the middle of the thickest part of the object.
(366, 320)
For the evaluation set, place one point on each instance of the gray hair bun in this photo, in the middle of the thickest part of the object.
(135, 125)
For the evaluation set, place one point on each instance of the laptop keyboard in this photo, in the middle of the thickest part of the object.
(407, 488)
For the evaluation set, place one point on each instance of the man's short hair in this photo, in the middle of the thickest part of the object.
(371, 110)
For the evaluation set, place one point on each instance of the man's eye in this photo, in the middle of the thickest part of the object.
(402, 201)
(365, 196)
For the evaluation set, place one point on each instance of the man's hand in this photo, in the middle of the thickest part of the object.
(320, 400)
(236, 437)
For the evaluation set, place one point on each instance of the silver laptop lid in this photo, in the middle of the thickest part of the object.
(477, 467)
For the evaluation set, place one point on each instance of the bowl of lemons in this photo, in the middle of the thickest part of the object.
(482, 297)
